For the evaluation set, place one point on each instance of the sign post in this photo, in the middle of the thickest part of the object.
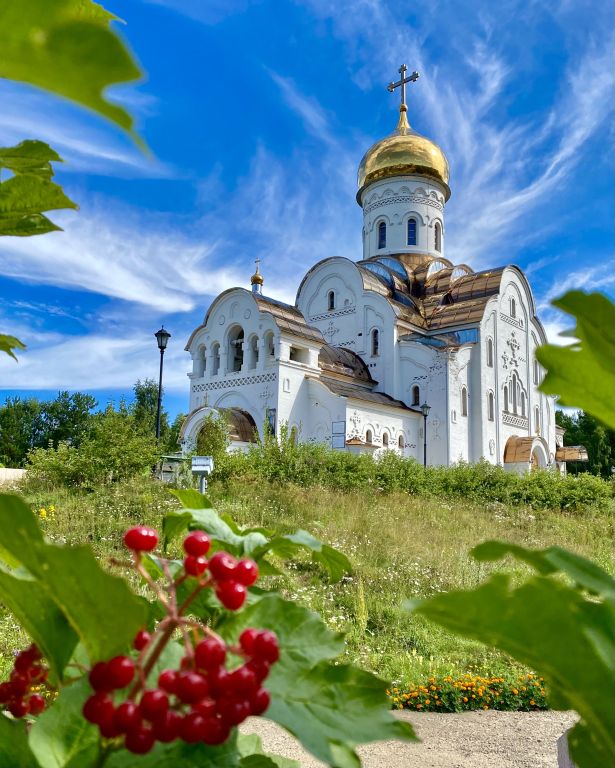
(202, 466)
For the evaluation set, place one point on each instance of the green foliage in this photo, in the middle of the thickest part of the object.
(14, 749)
(547, 622)
(29, 191)
(9, 343)
(75, 599)
(213, 438)
(253, 542)
(114, 449)
(144, 408)
(307, 689)
(66, 47)
(584, 429)
(582, 374)
(310, 464)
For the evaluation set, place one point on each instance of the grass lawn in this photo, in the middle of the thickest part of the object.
(401, 546)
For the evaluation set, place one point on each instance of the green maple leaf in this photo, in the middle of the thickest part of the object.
(583, 374)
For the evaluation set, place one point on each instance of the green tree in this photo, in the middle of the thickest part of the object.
(144, 408)
(213, 439)
(20, 429)
(172, 440)
(584, 429)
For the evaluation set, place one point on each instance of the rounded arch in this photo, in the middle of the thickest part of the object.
(415, 395)
(235, 338)
(385, 438)
(381, 235)
(401, 441)
(375, 342)
(369, 435)
(252, 350)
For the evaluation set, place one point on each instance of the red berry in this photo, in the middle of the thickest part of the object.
(246, 572)
(222, 565)
(218, 681)
(233, 711)
(141, 538)
(37, 673)
(231, 594)
(127, 717)
(6, 692)
(210, 653)
(36, 704)
(153, 704)
(260, 669)
(191, 687)
(216, 731)
(259, 702)
(197, 543)
(18, 708)
(121, 670)
(19, 684)
(266, 647)
(243, 681)
(167, 680)
(99, 677)
(23, 661)
(195, 566)
(98, 708)
(192, 727)
(205, 707)
(107, 727)
(142, 638)
(246, 640)
(140, 741)
(166, 728)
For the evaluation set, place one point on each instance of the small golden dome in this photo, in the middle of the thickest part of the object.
(403, 153)
(256, 279)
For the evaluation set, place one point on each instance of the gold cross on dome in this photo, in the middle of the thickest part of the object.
(401, 83)
(257, 262)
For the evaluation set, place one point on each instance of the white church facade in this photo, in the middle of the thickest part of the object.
(401, 350)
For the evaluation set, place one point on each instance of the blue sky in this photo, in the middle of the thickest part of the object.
(258, 113)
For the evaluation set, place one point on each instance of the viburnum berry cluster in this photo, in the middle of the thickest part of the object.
(217, 685)
(19, 695)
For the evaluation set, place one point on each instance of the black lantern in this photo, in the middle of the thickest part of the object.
(162, 337)
(425, 411)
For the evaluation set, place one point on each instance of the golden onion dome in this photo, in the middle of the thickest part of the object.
(403, 153)
(257, 278)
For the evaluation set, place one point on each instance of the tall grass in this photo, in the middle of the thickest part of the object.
(401, 545)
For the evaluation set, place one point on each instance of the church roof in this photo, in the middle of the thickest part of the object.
(344, 362)
(358, 392)
(436, 294)
(288, 318)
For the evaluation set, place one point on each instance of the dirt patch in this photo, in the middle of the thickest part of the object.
(467, 740)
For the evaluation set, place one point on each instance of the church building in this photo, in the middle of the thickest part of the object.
(401, 350)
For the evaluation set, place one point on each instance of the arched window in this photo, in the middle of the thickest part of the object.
(490, 353)
(382, 235)
(253, 351)
(523, 403)
(369, 437)
(536, 372)
(416, 395)
(235, 349)
(464, 401)
(411, 231)
(505, 398)
(215, 359)
(514, 394)
(331, 300)
(491, 406)
(375, 342)
(513, 308)
(537, 419)
(438, 236)
(385, 439)
(401, 443)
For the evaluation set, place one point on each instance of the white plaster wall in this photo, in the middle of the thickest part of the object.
(461, 428)
(361, 417)
(394, 201)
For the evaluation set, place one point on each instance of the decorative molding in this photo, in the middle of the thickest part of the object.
(258, 378)
(333, 313)
(330, 332)
(513, 420)
(516, 321)
(403, 199)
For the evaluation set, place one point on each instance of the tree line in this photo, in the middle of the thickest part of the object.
(584, 429)
(28, 424)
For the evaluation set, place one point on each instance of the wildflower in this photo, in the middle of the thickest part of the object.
(43, 513)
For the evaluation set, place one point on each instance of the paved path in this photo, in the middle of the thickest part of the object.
(467, 740)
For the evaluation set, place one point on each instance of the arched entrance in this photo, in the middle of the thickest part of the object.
(526, 454)
(242, 427)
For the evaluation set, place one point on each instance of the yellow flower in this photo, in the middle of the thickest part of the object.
(426, 702)
(532, 702)
(52, 508)
(515, 691)
(43, 513)
(465, 698)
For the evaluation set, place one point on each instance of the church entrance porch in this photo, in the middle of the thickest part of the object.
(526, 454)
(243, 431)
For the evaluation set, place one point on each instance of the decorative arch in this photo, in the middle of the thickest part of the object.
(381, 235)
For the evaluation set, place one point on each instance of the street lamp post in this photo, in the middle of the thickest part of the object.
(425, 410)
(162, 337)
